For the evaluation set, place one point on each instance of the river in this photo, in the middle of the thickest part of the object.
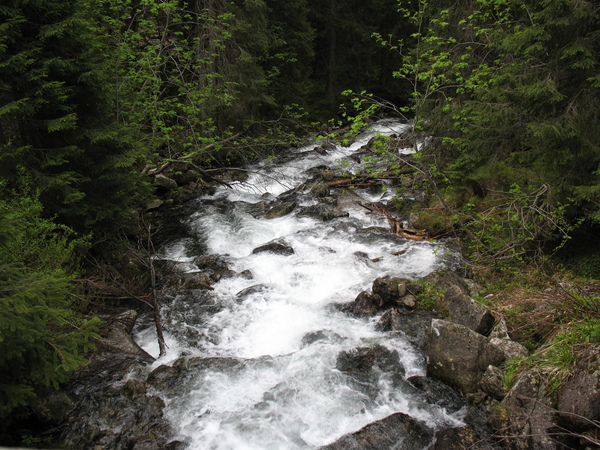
(275, 327)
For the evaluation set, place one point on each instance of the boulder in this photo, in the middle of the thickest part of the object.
(275, 247)
(195, 280)
(459, 438)
(398, 431)
(389, 289)
(281, 210)
(438, 393)
(211, 263)
(397, 291)
(365, 304)
(444, 279)
(165, 182)
(364, 367)
(115, 336)
(154, 204)
(52, 408)
(529, 415)
(362, 362)
(492, 383)
(579, 397)
(465, 311)
(510, 348)
(320, 190)
(413, 323)
(251, 290)
(458, 355)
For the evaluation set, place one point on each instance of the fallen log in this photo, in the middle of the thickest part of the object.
(395, 224)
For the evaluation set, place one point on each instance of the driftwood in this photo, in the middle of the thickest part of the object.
(364, 180)
(395, 225)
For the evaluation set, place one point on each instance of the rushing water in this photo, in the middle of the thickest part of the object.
(277, 384)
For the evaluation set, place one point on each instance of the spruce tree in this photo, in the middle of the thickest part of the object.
(56, 121)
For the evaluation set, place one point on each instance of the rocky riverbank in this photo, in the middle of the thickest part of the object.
(117, 401)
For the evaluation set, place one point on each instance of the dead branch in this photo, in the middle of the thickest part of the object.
(395, 224)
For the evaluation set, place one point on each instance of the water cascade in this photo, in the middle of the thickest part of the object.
(271, 342)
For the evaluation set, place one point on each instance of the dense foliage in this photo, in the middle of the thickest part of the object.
(42, 336)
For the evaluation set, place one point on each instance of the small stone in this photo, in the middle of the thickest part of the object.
(154, 204)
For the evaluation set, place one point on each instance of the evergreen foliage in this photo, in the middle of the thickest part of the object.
(55, 116)
(42, 337)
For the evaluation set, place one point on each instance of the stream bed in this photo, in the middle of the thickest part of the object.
(278, 352)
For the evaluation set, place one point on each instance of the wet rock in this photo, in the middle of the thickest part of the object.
(579, 397)
(52, 408)
(324, 147)
(222, 275)
(281, 210)
(275, 247)
(247, 274)
(398, 431)
(163, 377)
(164, 182)
(221, 364)
(389, 289)
(135, 388)
(365, 304)
(110, 414)
(321, 212)
(311, 338)
(256, 289)
(211, 263)
(115, 336)
(320, 190)
(438, 393)
(195, 280)
(366, 363)
(413, 323)
(458, 355)
(529, 414)
(468, 312)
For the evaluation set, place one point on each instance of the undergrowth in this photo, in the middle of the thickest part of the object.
(552, 311)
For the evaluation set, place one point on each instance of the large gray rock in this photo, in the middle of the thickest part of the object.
(115, 337)
(414, 323)
(281, 210)
(365, 304)
(275, 247)
(529, 415)
(458, 355)
(468, 312)
(510, 348)
(444, 279)
(460, 438)
(492, 384)
(579, 398)
(165, 182)
(500, 337)
(398, 431)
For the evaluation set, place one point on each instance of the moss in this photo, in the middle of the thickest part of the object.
(431, 298)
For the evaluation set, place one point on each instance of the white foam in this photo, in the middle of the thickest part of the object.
(287, 393)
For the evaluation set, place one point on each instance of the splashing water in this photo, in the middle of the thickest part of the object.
(273, 341)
